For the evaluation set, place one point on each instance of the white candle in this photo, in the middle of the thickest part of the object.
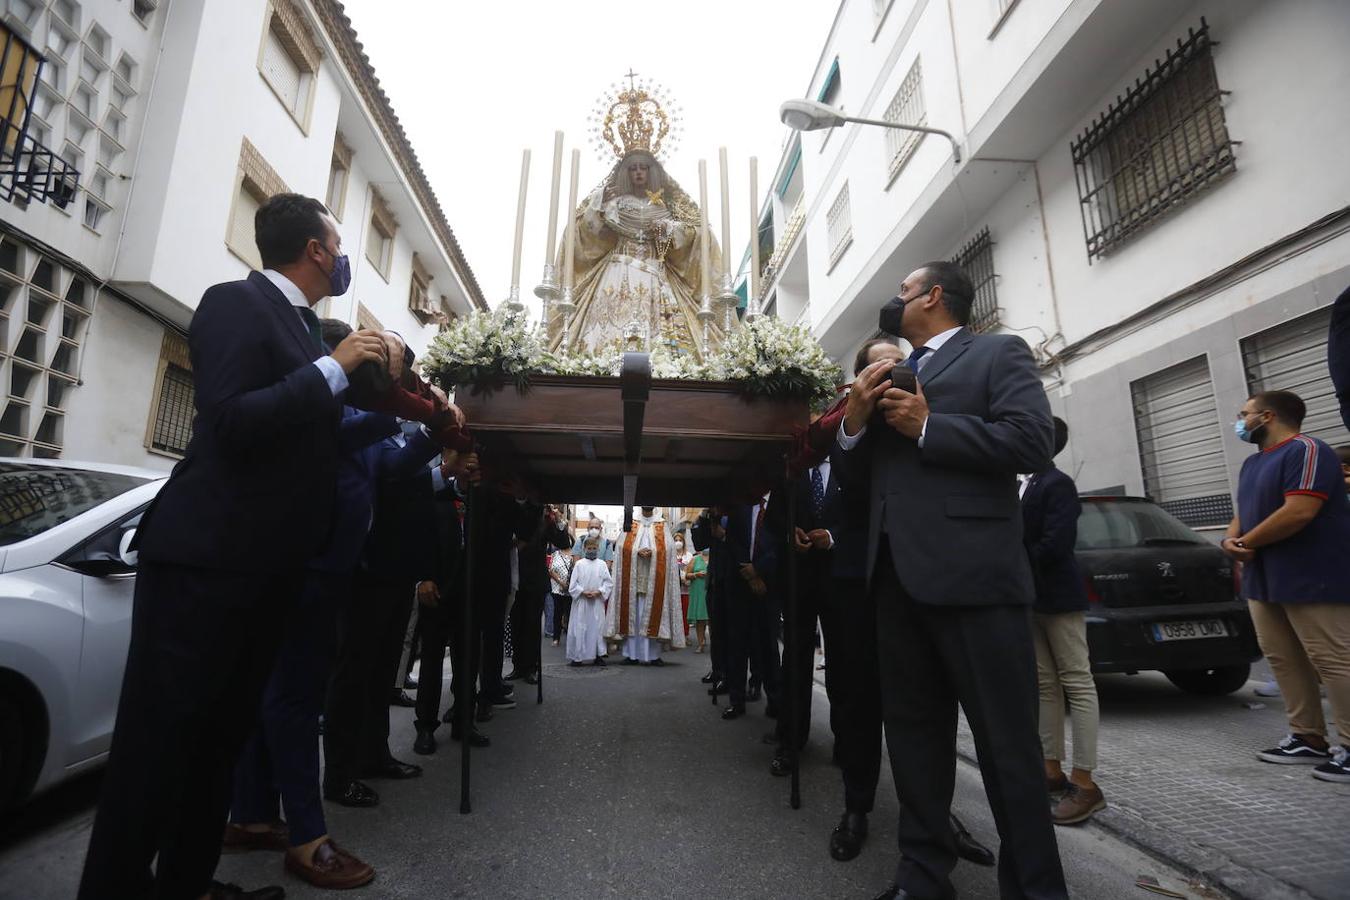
(726, 213)
(569, 234)
(754, 233)
(703, 224)
(553, 199)
(520, 220)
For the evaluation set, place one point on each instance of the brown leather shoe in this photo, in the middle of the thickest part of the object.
(332, 868)
(1077, 805)
(277, 837)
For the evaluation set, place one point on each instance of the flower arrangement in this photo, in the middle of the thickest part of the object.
(765, 356)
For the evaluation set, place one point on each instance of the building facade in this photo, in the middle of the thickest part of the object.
(1152, 194)
(181, 117)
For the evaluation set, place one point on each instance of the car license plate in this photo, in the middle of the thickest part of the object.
(1189, 631)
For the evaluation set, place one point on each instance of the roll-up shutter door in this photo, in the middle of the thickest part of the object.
(1292, 356)
(1181, 443)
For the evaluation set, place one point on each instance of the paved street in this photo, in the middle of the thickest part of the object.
(1182, 778)
(624, 784)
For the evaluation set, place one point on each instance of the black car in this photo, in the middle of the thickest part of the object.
(1162, 597)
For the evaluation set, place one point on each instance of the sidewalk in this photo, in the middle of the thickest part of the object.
(1183, 782)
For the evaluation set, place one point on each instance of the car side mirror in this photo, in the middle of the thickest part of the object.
(128, 556)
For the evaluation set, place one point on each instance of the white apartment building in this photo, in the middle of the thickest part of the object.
(1152, 193)
(181, 117)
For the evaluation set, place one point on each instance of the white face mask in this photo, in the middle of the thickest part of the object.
(594, 532)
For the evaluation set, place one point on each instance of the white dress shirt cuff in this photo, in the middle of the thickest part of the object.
(332, 373)
(923, 432)
(830, 535)
(849, 441)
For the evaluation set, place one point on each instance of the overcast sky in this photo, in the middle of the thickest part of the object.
(476, 83)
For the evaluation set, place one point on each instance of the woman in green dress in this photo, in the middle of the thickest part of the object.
(697, 574)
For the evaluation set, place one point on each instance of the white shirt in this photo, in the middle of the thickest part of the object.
(328, 367)
(754, 519)
(849, 441)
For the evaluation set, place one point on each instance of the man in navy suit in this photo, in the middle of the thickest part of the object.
(223, 552)
(951, 579)
(751, 615)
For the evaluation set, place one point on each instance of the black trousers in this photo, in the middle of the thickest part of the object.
(815, 602)
(752, 638)
(932, 658)
(562, 607)
(527, 622)
(441, 629)
(370, 641)
(280, 763)
(203, 643)
(854, 689)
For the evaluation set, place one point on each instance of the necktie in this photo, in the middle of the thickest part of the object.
(817, 492)
(312, 324)
(915, 360)
(759, 529)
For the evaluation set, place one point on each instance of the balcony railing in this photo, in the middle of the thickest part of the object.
(791, 229)
(32, 171)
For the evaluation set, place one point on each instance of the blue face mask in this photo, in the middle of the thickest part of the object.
(340, 279)
(592, 554)
(1249, 435)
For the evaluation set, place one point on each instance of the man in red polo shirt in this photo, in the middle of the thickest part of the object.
(1291, 533)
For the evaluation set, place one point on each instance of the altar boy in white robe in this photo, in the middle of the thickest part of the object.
(646, 607)
(590, 588)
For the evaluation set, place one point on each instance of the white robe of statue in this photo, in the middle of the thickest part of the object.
(586, 624)
(646, 607)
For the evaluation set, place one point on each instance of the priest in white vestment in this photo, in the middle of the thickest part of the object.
(645, 609)
(590, 588)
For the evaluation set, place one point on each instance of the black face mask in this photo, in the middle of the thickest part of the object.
(891, 315)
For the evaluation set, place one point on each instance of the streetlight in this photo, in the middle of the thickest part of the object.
(808, 115)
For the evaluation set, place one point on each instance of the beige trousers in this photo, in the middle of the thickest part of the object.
(1063, 670)
(1306, 643)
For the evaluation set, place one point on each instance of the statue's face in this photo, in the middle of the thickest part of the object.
(638, 173)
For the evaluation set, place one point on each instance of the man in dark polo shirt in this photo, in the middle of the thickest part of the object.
(1291, 533)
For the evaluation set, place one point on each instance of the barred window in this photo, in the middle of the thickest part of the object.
(839, 225)
(173, 416)
(977, 258)
(1155, 148)
(907, 108)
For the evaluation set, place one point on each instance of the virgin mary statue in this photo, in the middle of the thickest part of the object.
(637, 270)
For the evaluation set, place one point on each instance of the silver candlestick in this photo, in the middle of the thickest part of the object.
(727, 297)
(513, 303)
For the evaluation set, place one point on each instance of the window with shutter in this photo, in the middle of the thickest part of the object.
(1292, 356)
(1181, 443)
(241, 238)
(281, 71)
(289, 59)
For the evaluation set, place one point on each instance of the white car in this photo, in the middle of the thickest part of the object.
(67, 577)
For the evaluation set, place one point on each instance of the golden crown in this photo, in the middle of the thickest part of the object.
(633, 118)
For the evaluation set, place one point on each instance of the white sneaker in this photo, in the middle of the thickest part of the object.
(1269, 689)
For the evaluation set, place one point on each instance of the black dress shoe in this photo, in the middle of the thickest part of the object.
(968, 848)
(476, 737)
(425, 744)
(848, 836)
(780, 765)
(410, 683)
(353, 793)
(658, 662)
(223, 891)
(400, 697)
(734, 711)
(710, 678)
(752, 694)
(719, 687)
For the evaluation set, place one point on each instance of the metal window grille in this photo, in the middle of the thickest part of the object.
(173, 416)
(839, 224)
(28, 169)
(977, 258)
(906, 108)
(1155, 148)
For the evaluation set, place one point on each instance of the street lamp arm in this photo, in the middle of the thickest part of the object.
(956, 148)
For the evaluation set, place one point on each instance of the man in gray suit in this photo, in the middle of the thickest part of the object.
(951, 580)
